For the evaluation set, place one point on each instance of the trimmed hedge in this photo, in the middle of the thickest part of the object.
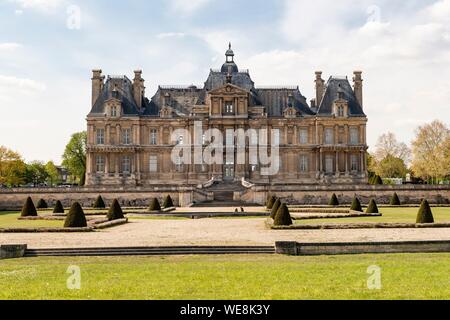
(283, 217)
(28, 209)
(115, 211)
(99, 203)
(377, 180)
(58, 207)
(425, 215)
(168, 202)
(334, 200)
(75, 218)
(271, 202)
(395, 201)
(42, 204)
(155, 206)
(275, 208)
(356, 205)
(372, 208)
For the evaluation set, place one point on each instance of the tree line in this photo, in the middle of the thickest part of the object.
(427, 159)
(15, 172)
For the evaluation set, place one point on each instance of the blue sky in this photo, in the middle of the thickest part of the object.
(403, 48)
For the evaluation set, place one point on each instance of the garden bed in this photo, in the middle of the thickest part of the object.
(357, 225)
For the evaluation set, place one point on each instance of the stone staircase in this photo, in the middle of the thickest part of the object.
(150, 251)
(224, 195)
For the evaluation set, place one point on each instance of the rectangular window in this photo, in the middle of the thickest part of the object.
(229, 108)
(153, 164)
(179, 165)
(340, 111)
(354, 136)
(180, 140)
(303, 138)
(354, 162)
(100, 164)
(113, 111)
(153, 136)
(126, 136)
(126, 164)
(329, 164)
(329, 136)
(100, 136)
(303, 163)
(275, 137)
(229, 138)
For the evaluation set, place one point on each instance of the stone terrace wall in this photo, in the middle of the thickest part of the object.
(320, 195)
(13, 199)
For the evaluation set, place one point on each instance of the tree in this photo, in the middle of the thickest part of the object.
(28, 209)
(168, 202)
(430, 148)
(387, 145)
(425, 215)
(115, 211)
(333, 201)
(52, 173)
(372, 208)
(270, 202)
(75, 218)
(12, 168)
(391, 167)
(395, 200)
(356, 205)
(99, 203)
(58, 207)
(155, 206)
(36, 173)
(283, 217)
(74, 157)
(275, 208)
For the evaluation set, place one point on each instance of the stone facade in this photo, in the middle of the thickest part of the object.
(131, 138)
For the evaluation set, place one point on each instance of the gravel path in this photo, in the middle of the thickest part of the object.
(210, 232)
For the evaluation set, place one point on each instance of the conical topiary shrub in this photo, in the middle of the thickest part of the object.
(168, 202)
(425, 215)
(283, 217)
(395, 201)
(334, 200)
(99, 203)
(115, 211)
(58, 207)
(28, 209)
(271, 202)
(155, 206)
(75, 218)
(372, 208)
(377, 180)
(275, 208)
(42, 204)
(356, 205)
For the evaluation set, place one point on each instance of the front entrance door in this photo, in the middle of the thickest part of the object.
(228, 174)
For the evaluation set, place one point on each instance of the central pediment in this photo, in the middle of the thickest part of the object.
(228, 89)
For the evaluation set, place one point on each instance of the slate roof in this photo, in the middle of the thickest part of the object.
(333, 87)
(121, 85)
(183, 99)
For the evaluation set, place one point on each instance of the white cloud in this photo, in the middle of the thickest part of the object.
(41, 5)
(22, 84)
(188, 7)
(9, 46)
(440, 10)
(170, 35)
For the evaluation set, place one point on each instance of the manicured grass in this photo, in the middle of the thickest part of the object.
(402, 215)
(9, 220)
(403, 276)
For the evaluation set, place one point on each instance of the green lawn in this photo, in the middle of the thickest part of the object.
(403, 276)
(9, 220)
(404, 215)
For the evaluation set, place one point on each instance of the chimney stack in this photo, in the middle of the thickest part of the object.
(97, 84)
(358, 86)
(320, 87)
(138, 88)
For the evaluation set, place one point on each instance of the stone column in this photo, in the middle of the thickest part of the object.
(321, 161)
(337, 163)
(116, 164)
(362, 161)
(346, 162)
(106, 164)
